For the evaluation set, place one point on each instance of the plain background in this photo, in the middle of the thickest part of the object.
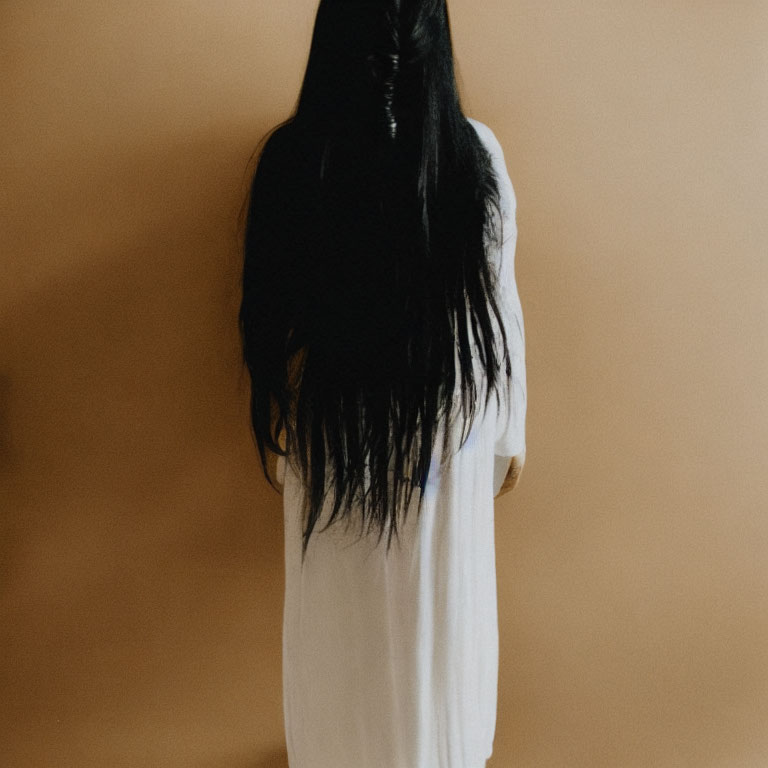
(141, 548)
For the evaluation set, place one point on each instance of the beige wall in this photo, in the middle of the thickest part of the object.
(141, 550)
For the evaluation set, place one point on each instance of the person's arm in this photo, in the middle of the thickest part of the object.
(509, 445)
(508, 468)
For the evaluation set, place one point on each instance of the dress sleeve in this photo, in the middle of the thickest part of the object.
(510, 429)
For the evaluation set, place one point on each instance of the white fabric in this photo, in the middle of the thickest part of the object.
(392, 661)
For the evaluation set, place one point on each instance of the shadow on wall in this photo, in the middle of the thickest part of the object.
(141, 546)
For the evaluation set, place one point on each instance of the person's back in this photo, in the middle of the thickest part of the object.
(378, 287)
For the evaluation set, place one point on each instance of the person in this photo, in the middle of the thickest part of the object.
(383, 333)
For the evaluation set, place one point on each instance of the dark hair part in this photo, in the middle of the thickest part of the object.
(369, 220)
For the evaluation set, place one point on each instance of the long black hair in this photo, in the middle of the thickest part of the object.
(366, 262)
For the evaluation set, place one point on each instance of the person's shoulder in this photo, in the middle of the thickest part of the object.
(276, 140)
(487, 136)
(280, 158)
(496, 151)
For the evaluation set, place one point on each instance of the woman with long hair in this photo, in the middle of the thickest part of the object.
(379, 304)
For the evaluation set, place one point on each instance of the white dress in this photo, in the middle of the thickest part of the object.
(392, 661)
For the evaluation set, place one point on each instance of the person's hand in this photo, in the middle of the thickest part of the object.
(513, 474)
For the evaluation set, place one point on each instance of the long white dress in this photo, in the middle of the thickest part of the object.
(392, 661)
